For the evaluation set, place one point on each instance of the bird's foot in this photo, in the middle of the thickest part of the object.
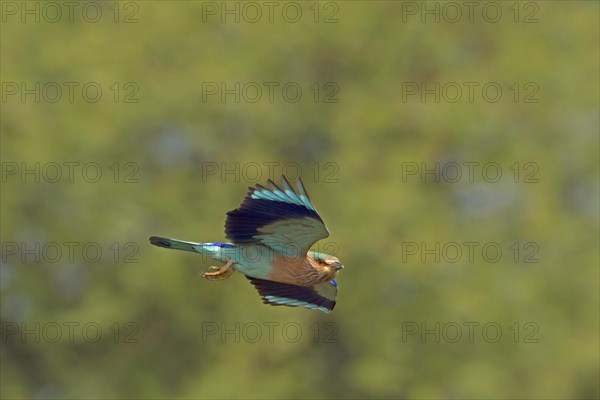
(220, 273)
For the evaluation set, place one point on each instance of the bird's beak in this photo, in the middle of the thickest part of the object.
(337, 265)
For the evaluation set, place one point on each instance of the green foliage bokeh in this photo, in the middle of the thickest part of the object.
(373, 209)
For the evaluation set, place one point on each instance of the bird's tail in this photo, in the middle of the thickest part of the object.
(219, 251)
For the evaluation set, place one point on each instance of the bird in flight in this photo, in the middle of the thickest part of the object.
(271, 234)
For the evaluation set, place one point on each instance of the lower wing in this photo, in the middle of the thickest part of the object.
(320, 297)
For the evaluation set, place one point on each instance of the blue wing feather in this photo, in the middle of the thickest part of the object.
(262, 207)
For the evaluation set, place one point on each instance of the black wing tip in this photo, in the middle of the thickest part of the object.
(159, 241)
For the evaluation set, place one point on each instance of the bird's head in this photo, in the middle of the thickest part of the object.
(333, 263)
(330, 265)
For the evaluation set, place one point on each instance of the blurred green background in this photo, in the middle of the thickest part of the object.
(156, 132)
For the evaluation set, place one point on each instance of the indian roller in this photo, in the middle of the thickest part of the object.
(271, 234)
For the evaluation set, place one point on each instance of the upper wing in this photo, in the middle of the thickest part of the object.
(283, 219)
(320, 297)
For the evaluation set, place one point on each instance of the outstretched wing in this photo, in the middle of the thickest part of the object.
(320, 297)
(281, 218)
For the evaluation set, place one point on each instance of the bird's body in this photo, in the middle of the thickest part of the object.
(272, 232)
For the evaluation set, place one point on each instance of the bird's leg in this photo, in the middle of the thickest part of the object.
(220, 273)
